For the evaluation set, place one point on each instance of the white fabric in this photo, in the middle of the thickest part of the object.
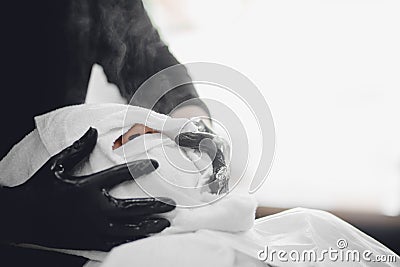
(220, 234)
(307, 229)
(179, 175)
(59, 129)
(23, 160)
(293, 230)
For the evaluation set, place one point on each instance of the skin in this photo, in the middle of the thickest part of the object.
(137, 129)
(181, 112)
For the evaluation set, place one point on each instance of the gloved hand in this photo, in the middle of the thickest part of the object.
(56, 209)
(215, 147)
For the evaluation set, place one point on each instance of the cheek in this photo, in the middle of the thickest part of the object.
(136, 130)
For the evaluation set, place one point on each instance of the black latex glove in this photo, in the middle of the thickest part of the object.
(56, 209)
(214, 147)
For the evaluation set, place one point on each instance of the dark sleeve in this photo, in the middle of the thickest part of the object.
(130, 50)
(19, 256)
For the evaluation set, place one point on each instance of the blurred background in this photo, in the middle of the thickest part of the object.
(330, 72)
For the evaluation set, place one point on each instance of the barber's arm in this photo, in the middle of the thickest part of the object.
(56, 209)
(130, 51)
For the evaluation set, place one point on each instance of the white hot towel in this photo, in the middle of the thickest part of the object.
(179, 176)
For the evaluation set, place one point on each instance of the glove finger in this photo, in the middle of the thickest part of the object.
(133, 207)
(218, 182)
(124, 172)
(203, 142)
(218, 161)
(191, 139)
(67, 159)
(139, 228)
(103, 179)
